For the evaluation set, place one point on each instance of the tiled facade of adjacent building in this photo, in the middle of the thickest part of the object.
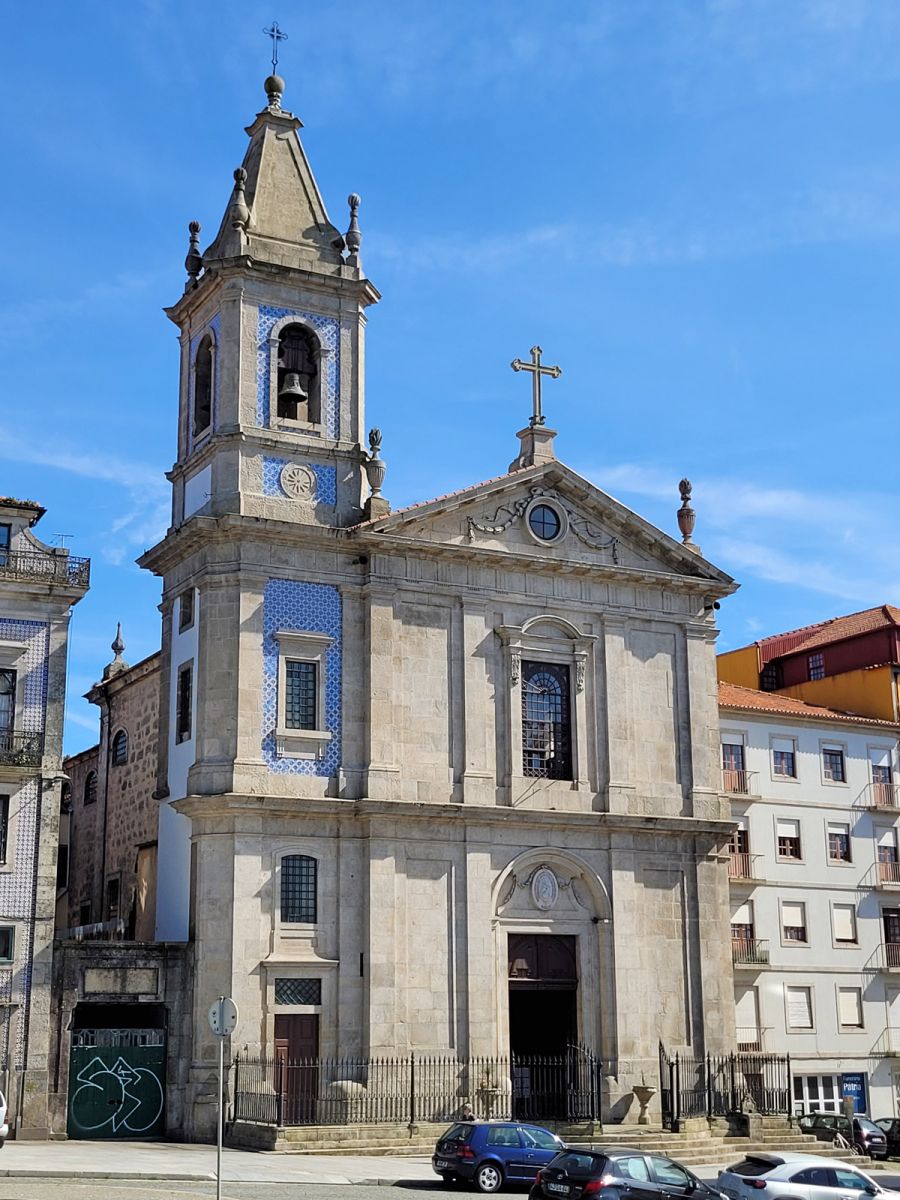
(815, 894)
(39, 585)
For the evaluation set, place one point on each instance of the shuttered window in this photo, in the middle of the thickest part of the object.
(850, 1007)
(793, 921)
(843, 923)
(799, 1007)
(788, 835)
(838, 841)
(784, 761)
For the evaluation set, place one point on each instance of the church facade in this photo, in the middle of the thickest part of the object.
(444, 779)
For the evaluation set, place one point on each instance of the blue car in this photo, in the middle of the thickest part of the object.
(491, 1153)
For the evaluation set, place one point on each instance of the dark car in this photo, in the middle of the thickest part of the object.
(491, 1153)
(621, 1174)
(861, 1132)
(890, 1127)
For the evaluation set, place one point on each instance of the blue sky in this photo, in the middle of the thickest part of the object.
(693, 207)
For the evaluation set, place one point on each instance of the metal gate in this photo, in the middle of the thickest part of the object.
(117, 1083)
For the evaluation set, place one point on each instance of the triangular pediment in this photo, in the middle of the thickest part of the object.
(594, 529)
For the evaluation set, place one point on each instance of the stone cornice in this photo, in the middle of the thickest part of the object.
(232, 804)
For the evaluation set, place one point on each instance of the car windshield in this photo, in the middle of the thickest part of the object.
(457, 1133)
(868, 1126)
(579, 1164)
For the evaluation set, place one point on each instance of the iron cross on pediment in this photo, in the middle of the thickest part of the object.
(537, 370)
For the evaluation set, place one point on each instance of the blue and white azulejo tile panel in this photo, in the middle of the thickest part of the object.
(326, 480)
(215, 326)
(328, 331)
(309, 608)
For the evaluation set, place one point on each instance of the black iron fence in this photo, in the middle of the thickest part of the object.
(47, 567)
(21, 749)
(717, 1084)
(417, 1088)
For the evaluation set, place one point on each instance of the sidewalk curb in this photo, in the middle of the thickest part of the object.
(75, 1176)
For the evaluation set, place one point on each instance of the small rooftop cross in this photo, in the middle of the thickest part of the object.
(537, 417)
(277, 36)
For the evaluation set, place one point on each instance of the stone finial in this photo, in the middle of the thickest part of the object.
(353, 237)
(240, 213)
(118, 663)
(687, 518)
(375, 467)
(193, 264)
(274, 86)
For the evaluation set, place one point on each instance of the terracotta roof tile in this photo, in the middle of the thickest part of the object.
(731, 695)
(836, 630)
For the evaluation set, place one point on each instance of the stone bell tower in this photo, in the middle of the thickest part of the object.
(271, 410)
(269, 467)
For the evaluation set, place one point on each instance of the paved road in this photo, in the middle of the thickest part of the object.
(105, 1189)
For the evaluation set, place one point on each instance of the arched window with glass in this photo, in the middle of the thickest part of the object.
(546, 721)
(299, 885)
(120, 749)
(89, 795)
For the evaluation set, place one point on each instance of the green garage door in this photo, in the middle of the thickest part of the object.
(117, 1083)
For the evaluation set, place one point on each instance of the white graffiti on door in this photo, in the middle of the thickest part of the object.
(133, 1095)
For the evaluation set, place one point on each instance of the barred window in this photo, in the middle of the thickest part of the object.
(546, 721)
(298, 991)
(300, 694)
(298, 889)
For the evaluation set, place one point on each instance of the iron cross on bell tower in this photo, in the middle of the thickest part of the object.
(537, 370)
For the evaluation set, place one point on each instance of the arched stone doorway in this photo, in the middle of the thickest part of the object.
(553, 950)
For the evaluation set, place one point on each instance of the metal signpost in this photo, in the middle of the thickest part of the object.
(223, 1018)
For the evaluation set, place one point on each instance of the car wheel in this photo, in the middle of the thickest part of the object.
(488, 1178)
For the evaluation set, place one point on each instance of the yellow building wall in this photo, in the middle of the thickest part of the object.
(740, 667)
(869, 692)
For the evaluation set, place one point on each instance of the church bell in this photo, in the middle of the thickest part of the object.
(292, 390)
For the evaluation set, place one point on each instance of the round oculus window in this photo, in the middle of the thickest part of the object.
(544, 522)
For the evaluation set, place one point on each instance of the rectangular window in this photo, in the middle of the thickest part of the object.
(62, 867)
(739, 842)
(838, 841)
(300, 688)
(742, 922)
(185, 610)
(734, 774)
(183, 703)
(793, 921)
(298, 889)
(799, 1007)
(850, 1008)
(112, 899)
(788, 838)
(5, 541)
(843, 924)
(7, 943)
(784, 758)
(4, 829)
(833, 764)
(816, 666)
(7, 700)
(84, 914)
(298, 991)
(882, 777)
(546, 721)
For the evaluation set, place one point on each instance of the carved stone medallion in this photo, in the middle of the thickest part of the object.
(544, 889)
(297, 481)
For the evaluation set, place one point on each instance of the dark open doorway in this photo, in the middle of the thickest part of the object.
(543, 987)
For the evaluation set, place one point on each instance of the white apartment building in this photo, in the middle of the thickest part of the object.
(815, 895)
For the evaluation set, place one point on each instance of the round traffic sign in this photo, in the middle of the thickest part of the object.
(223, 1016)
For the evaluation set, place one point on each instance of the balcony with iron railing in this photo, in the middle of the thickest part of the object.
(45, 567)
(19, 749)
(885, 958)
(738, 783)
(750, 1039)
(888, 1043)
(887, 875)
(750, 952)
(879, 796)
(740, 867)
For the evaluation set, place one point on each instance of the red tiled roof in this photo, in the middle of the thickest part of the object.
(836, 630)
(731, 695)
(472, 487)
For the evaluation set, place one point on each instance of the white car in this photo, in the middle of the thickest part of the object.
(798, 1177)
(4, 1122)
